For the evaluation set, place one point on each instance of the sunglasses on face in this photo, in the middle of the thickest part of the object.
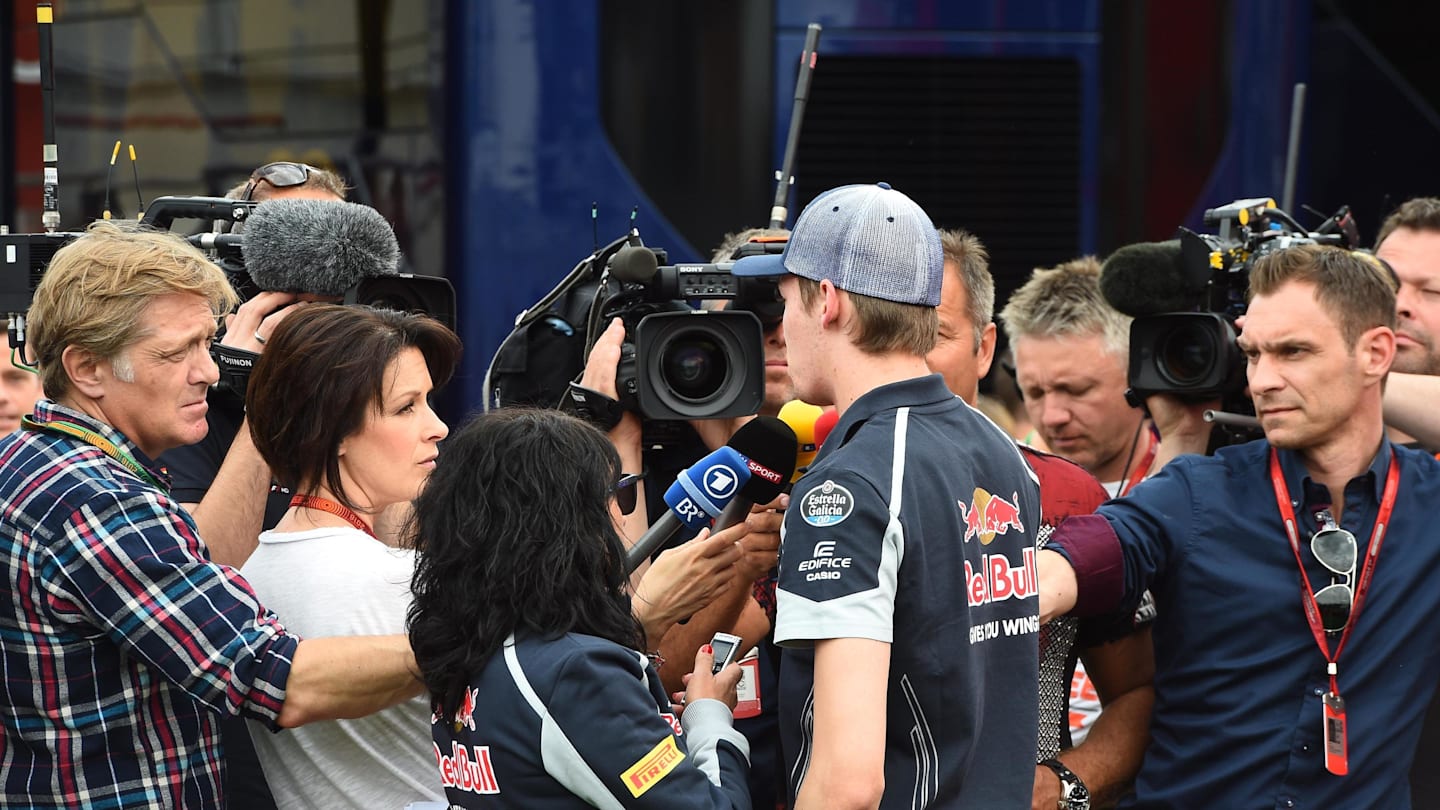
(626, 493)
(281, 174)
(1336, 549)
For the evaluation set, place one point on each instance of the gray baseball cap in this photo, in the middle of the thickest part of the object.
(866, 239)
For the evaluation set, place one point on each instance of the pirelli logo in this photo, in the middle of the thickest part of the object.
(652, 767)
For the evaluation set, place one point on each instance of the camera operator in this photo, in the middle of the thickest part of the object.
(1116, 650)
(1252, 684)
(19, 390)
(135, 640)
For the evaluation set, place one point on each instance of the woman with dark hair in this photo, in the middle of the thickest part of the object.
(338, 406)
(526, 640)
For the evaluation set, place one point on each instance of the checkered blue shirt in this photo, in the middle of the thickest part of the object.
(122, 641)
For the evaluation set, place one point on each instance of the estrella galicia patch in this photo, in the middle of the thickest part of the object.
(827, 505)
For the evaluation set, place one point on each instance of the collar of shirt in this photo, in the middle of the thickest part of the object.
(916, 391)
(47, 411)
(1306, 492)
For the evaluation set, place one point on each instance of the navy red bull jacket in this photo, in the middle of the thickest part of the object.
(580, 721)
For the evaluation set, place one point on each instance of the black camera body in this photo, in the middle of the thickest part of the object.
(677, 362)
(1193, 354)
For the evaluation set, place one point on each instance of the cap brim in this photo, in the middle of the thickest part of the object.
(770, 264)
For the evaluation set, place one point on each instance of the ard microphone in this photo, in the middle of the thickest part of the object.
(768, 447)
(324, 247)
(1148, 278)
(801, 417)
(698, 496)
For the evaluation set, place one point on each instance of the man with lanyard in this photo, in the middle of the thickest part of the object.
(1294, 637)
(128, 641)
(900, 687)
(1071, 353)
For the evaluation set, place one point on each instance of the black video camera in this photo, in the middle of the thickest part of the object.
(1193, 354)
(677, 362)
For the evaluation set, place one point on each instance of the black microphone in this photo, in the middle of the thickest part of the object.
(1149, 278)
(634, 264)
(771, 450)
(323, 247)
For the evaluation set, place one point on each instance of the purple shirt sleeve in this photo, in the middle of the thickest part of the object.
(1090, 545)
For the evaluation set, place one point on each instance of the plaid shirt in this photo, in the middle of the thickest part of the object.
(122, 641)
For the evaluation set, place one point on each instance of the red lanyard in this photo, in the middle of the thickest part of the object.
(1372, 553)
(1333, 725)
(326, 505)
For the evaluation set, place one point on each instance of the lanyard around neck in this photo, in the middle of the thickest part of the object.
(338, 510)
(95, 440)
(1372, 554)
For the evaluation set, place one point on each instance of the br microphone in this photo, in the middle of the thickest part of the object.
(323, 247)
(768, 447)
(801, 417)
(698, 496)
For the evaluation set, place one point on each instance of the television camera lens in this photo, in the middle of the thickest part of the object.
(693, 365)
(1187, 354)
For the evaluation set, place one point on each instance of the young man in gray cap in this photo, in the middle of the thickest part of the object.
(907, 582)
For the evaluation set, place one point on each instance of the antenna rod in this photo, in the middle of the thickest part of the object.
(785, 177)
(1292, 151)
(50, 216)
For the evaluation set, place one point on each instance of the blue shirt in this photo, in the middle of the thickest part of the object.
(916, 526)
(1238, 675)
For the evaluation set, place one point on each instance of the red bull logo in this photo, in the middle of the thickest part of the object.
(990, 515)
(998, 580)
(464, 771)
(465, 716)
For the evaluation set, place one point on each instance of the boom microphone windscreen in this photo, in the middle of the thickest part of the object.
(323, 247)
(1148, 278)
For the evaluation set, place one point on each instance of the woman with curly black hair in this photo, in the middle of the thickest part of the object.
(525, 637)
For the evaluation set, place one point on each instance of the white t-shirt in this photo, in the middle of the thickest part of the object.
(342, 582)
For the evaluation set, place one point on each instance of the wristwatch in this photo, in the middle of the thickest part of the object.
(1073, 793)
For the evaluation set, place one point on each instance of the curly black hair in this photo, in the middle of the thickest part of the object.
(514, 535)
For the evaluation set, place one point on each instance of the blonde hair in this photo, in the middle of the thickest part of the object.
(1065, 301)
(96, 289)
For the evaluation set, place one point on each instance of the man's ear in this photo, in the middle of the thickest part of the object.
(985, 352)
(829, 304)
(88, 373)
(1376, 348)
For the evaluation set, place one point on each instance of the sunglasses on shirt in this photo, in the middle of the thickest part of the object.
(1336, 549)
(626, 493)
(281, 174)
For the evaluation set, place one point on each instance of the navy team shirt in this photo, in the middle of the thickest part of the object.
(916, 526)
(1238, 675)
